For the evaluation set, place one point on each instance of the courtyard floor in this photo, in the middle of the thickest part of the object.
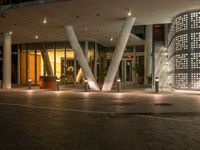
(72, 119)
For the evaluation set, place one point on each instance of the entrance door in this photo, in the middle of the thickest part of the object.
(126, 70)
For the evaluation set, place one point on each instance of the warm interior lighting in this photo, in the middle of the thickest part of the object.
(10, 32)
(45, 20)
(36, 37)
(57, 64)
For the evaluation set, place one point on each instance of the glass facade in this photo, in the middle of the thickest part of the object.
(35, 60)
(52, 59)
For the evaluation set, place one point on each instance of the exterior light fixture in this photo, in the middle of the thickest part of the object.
(29, 83)
(86, 85)
(36, 37)
(129, 13)
(119, 85)
(57, 84)
(156, 84)
(45, 20)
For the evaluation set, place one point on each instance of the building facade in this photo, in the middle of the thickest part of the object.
(33, 60)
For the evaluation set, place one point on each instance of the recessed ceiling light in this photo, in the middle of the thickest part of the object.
(129, 13)
(36, 37)
(111, 39)
(45, 20)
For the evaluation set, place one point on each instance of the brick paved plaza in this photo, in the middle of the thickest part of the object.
(75, 120)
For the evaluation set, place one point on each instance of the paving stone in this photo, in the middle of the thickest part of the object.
(98, 121)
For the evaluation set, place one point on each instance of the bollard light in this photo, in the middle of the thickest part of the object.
(119, 85)
(29, 83)
(57, 84)
(86, 85)
(156, 84)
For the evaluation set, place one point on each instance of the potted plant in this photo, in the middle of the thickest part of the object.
(139, 70)
(149, 81)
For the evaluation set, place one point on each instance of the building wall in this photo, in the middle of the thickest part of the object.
(184, 50)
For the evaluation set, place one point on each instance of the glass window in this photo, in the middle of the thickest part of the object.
(90, 55)
(50, 51)
(23, 64)
(69, 66)
(40, 62)
(60, 61)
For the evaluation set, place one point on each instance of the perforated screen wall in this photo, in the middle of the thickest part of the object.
(184, 50)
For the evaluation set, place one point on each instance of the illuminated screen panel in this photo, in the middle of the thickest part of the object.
(184, 48)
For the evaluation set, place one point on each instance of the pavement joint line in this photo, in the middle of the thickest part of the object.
(90, 111)
(57, 108)
(164, 118)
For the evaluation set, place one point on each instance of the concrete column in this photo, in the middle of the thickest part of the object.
(148, 49)
(81, 57)
(74, 69)
(166, 32)
(119, 50)
(54, 59)
(122, 71)
(79, 76)
(124, 66)
(95, 60)
(134, 62)
(47, 64)
(18, 64)
(7, 61)
(86, 50)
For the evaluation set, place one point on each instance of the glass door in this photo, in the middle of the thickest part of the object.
(126, 70)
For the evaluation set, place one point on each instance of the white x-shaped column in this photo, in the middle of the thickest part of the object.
(118, 53)
(117, 56)
(81, 58)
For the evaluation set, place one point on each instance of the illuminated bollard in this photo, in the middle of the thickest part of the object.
(57, 84)
(29, 83)
(156, 84)
(86, 85)
(119, 85)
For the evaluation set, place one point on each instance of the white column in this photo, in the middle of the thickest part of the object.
(74, 69)
(47, 63)
(81, 57)
(148, 49)
(86, 50)
(18, 64)
(7, 61)
(134, 62)
(95, 60)
(117, 56)
(124, 65)
(166, 32)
